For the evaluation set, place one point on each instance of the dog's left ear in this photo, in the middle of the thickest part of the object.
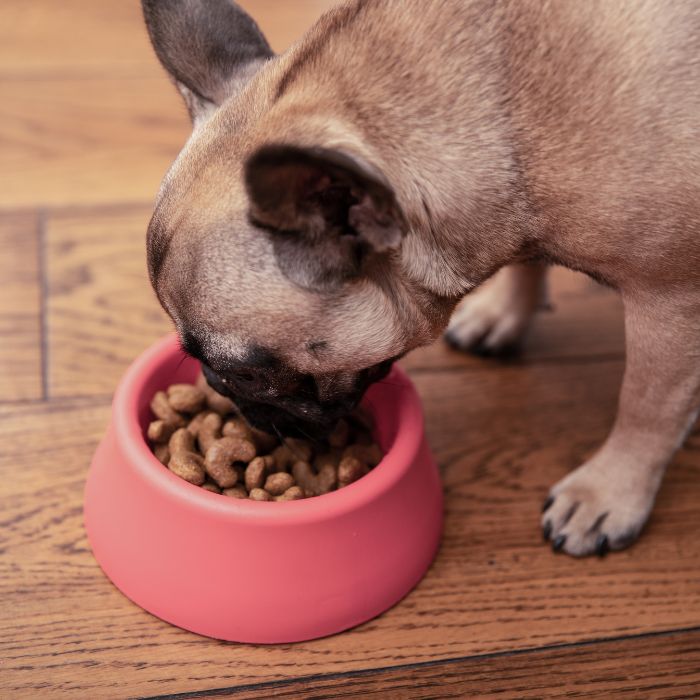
(211, 48)
(327, 207)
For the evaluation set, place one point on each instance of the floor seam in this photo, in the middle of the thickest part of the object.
(43, 301)
(91, 209)
(421, 664)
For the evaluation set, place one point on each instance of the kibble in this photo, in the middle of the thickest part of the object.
(200, 436)
(277, 484)
(255, 474)
(259, 495)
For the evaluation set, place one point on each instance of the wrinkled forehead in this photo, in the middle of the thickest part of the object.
(220, 280)
(233, 306)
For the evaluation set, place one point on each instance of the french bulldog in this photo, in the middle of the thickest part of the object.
(334, 205)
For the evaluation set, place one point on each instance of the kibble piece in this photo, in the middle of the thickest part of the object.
(211, 486)
(259, 495)
(370, 454)
(255, 474)
(196, 423)
(350, 469)
(237, 491)
(160, 431)
(221, 456)
(283, 458)
(327, 479)
(162, 453)
(301, 449)
(233, 449)
(162, 409)
(294, 493)
(312, 483)
(340, 435)
(209, 431)
(186, 398)
(269, 462)
(188, 466)
(215, 401)
(237, 427)
(263, 441)
(181, 440)
(304, 476)
(277, 484)
(220, 471)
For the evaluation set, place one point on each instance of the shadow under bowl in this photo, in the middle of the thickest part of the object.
(261, 572)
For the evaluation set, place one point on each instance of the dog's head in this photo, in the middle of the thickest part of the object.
(274, 244)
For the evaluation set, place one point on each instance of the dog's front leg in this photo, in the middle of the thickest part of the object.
(495, 317)
(604, 503)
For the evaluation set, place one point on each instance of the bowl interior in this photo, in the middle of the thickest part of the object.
(391, 403)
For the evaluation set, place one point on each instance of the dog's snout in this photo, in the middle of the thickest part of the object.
(276, 398)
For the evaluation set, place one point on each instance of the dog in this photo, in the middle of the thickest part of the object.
(411, 166)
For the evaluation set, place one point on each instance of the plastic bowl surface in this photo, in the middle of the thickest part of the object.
(251, 571)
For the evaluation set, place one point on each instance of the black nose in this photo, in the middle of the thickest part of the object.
(277, 421)
(294, 418)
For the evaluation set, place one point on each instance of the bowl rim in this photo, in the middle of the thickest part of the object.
(131, 440)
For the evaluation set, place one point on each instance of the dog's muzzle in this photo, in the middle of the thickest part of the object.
(296, 412)
(288, 415)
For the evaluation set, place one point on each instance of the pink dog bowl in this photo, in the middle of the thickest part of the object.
(251, 571)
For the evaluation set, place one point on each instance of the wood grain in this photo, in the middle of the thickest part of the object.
(77, 37)
(101, 310)
(87, 140)
(656, 666)
(494, 587)
(20, 308)
(88, 115)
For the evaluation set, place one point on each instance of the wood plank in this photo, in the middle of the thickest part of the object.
(48, 38)
(20, 308)
(87, 140)
(501, 435)
(659, 666)
(88, 115)
(101, 309)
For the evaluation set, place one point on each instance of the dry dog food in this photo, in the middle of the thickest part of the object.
(199, 435)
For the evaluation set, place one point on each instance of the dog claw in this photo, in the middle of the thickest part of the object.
(546, 505)
(509, 351)
(558, 543)
(479, 348)
(602, 545)
(547, 530)
(452, 341)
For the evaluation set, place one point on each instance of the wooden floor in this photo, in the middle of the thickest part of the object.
(88, 125)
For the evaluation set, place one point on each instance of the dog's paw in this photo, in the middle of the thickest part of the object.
(483, 331)
(494, 319)
(594, 510)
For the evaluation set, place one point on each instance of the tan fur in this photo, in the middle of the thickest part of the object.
(515, 131)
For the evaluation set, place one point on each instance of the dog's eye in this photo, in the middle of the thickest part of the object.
(245, 376)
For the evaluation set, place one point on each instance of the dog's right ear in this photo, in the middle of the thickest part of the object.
(211, 48)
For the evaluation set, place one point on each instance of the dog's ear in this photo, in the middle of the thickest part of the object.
(211, 48)
(327, 210)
